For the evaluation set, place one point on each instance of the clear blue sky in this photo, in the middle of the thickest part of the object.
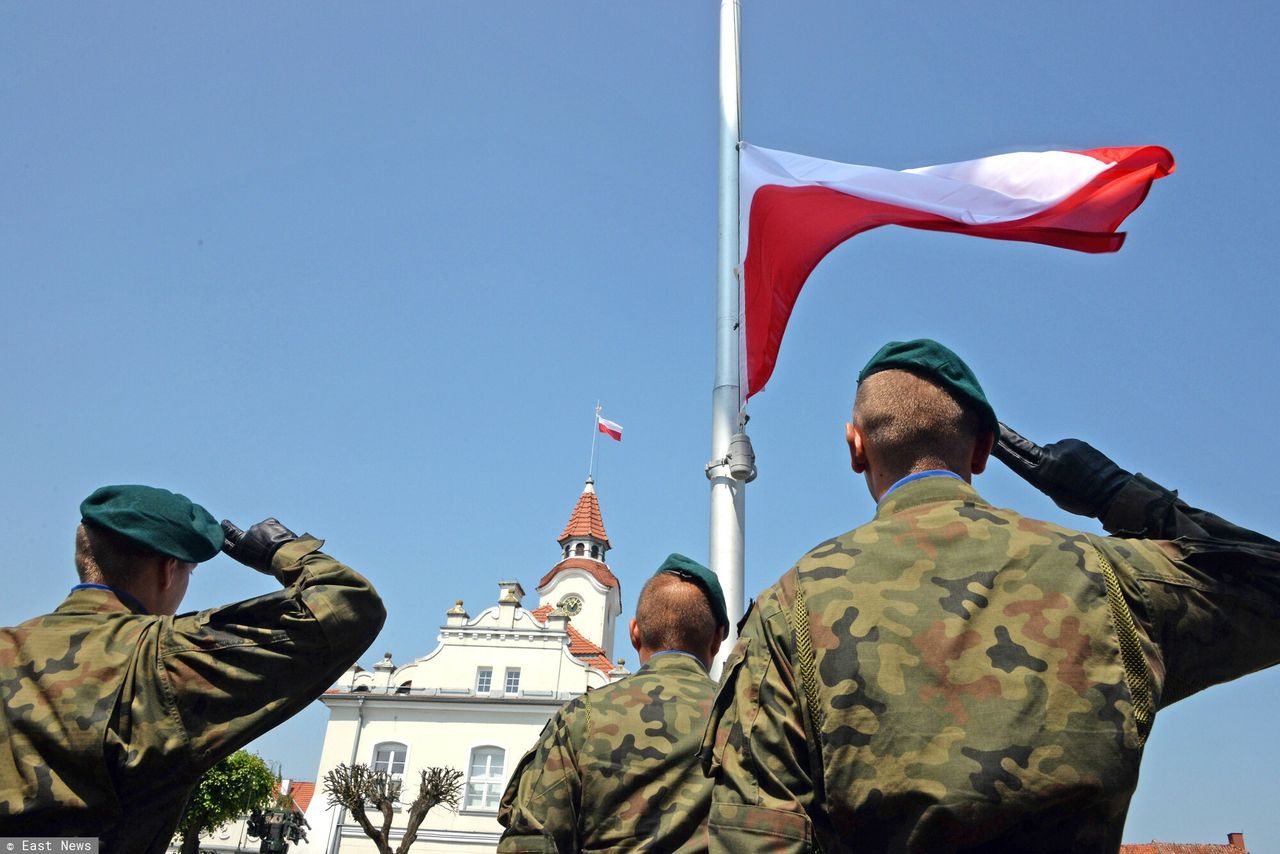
(369, 267)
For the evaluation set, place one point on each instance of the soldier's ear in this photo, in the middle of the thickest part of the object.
(857, 447)
(166, 572)
(633, 631)
(982, 452)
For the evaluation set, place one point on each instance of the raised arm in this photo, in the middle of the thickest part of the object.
(237, 671)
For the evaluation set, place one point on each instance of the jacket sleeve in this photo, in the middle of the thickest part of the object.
(1144, 508)
(755, 746)
(1205, 591)
(540, 806)
(232, 673)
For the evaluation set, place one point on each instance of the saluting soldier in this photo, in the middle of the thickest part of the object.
(952, 676)
(617, 769)
(113, 707)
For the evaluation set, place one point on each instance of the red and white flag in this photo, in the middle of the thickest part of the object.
(614, 431)
(796, 209)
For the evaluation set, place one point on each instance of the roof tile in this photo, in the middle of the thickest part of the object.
(301, 793)
(599, 571)
(580, 646)
(585, 520)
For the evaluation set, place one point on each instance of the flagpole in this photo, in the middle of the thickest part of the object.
(595, 434)
(728, 498)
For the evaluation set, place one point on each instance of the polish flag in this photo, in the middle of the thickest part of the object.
(614, 431)
(796, 209)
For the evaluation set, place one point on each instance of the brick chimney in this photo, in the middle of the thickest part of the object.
(1236, 840)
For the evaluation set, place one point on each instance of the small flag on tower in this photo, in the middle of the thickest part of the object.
(614, 431)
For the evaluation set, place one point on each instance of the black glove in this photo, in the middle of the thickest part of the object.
(1077, 476)
(255, 547)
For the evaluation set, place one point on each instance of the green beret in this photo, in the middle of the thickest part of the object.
(935, 362)
(691, 570)
(161, 520)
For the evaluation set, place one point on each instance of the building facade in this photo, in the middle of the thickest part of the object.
(479, 700)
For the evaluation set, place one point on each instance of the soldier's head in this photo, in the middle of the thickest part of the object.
(918, 407)
(681, 608)
(144, 541)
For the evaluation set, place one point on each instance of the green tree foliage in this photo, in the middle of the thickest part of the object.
(238, 784)
(358, 788)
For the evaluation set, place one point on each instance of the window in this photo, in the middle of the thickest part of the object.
(389, 757)
(484, 680)
(513, 680)
(595, 551)
(579, 549)
(484, 783)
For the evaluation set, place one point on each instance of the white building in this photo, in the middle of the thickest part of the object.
(479, 700)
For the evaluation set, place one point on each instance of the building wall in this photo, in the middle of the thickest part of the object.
(432, 708)
(436, 732)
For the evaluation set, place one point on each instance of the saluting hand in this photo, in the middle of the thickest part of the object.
(1077, 476)
(255, 547)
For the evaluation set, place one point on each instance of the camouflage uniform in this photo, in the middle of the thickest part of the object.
(977, 680)
(616, 769)
(110, 716)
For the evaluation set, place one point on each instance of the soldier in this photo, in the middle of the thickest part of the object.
(617, 769)
(956, 677)
(113, 707)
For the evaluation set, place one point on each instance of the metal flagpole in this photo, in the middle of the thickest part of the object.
(728, 504)
(595, 434)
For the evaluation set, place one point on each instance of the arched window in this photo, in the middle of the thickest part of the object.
(484, 780)
(579, 549)
(595, 552)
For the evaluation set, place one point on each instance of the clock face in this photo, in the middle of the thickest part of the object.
(571, 604)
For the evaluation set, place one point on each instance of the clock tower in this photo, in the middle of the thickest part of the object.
(581, 585)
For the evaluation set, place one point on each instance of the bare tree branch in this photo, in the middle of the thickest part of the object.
(358, 787)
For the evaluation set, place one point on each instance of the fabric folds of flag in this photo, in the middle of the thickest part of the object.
(613, 431)
(796, 209)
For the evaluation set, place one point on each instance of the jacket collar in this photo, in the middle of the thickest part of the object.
(928, 490)
(674, 659)
(100, 599)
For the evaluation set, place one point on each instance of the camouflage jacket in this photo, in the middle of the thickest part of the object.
(108, 717)
(617, 768)
(956, 677)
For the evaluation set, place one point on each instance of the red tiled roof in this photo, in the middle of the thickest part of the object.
(1157, 847)
(579, 646)
(598, 570)
(585, 520)
(301, 793)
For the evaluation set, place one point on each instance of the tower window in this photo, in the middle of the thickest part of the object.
(579, 549)
(595, 552)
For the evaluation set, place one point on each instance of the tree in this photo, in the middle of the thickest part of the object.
(238, 784)
(358, 787)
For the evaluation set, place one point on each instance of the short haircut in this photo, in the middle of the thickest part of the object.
(915, 424)
(105, 557)
(674, 614)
